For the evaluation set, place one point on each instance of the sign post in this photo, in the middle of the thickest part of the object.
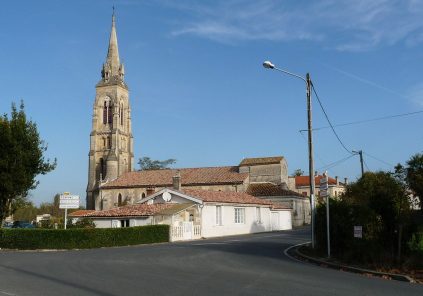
(358, 231)
(324, 186)
(68, 201)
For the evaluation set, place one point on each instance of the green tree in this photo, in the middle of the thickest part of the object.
(26, 211)
(414, 176)
(21, 159)
(146, 163)
(297, 172)
(385, 195)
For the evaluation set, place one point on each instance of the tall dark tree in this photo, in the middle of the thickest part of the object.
(146, 163)
(414, 177)
(21, 158)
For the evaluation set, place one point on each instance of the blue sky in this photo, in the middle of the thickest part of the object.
(198, 90)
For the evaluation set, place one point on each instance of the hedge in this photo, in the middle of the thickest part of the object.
(30, 239)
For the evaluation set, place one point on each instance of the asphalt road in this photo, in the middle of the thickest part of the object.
(243, 265)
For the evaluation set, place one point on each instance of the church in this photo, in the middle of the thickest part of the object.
(113, 181)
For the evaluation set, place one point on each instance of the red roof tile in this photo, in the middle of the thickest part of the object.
(130, 211)
(261, 160)
(80, 213)
(269, 189)
(225, 197)
(189, 176)
(304, 180)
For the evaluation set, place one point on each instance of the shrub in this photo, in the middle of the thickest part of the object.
(82, 238)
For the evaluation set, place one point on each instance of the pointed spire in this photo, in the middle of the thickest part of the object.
(113, 52)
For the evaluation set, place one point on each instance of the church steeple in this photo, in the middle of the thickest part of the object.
(113, 71)
(111, 141)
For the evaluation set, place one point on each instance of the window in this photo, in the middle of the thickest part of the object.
(109, 142)
(110, 115)
(239, 215)
(119, 200)
(143, 195)
(218, 215)
(124, 223)
(105, 113)
(121, 114)
(102, 169)
(258, 215)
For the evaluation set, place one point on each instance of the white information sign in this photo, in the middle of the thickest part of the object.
(358, 231)
(324, 186)
(69, 201)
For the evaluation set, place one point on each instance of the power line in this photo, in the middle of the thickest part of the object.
(336, 163)
(369, 120)
(380, 160)
(365, 164)
(318, 156)
(327, 118)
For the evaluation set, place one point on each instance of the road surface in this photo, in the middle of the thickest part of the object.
(242, 265)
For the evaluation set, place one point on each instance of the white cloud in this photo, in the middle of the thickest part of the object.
(343, 24)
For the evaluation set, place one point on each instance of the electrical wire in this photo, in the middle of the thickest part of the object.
(327, 118)
(365, 164)
(369, 120)
(318, 156)
(380, 160)
(336, 163)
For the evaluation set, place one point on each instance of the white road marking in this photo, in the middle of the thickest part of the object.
(5, 293)
(294, 246)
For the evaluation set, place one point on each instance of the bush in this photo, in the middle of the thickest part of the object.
(83, 238)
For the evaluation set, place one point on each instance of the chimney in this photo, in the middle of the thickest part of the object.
(337, 180)
(177, 181)
(150, 190)
(345, 181)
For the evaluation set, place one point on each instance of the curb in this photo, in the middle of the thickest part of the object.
(397, 277)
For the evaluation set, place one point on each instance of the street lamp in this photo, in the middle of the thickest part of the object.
(269, 65)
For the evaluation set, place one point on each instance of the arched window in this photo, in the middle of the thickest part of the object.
(102, 175)
(121, 114)
(109, 142)
(104, 142)
(105, 112)
(110, 114)
(119, 200)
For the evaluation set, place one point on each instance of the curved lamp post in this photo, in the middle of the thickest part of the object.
(269, 65)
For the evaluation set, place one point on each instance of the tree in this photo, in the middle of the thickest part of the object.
(146, 163)
(414, 178)
(297, 172)
(21, 159)
(385, 194)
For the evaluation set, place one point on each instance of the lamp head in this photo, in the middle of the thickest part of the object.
(268, 65)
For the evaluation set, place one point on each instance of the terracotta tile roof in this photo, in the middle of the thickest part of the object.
(304, 180)
(269, 189)
(261, 160)
(189, 176)
(80, 213)
(225, 197)
(130, 211)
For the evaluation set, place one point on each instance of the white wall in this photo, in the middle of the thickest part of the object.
(229, 227)
(108, 222)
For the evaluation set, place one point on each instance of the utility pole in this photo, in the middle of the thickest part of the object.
(307, 80)
(360, 152)
(310, 160)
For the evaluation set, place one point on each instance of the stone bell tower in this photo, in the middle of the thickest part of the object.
(111, 141)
